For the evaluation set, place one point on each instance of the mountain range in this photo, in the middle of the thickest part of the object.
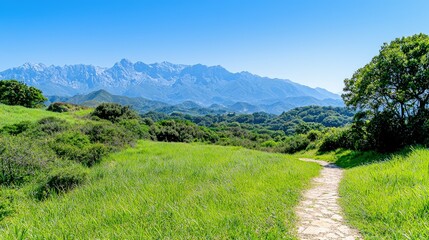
(173, 84)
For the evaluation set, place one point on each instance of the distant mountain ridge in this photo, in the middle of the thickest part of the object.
(140, 104)
(173, 84)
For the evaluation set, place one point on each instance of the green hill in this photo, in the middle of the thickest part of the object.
(16, 114)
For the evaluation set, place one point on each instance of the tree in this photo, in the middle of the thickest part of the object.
(396, 80)
(114, 112)
(13, 92)
(393, 92)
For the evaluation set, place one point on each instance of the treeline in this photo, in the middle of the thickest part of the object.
(296, 121)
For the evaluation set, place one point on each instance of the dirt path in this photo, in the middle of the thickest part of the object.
(320, 216)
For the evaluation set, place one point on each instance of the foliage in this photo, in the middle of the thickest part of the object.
(138, 128)
(52, 125)
(392, 90)
(22, 158)
(314, 135)
(112, 135)
(16, 128)
(298, 120)
(181, 131)
(114, 112)
(77, 147)
(60, 181)
(335, 139)
(64, 107)
(13, 92)
(293, 144)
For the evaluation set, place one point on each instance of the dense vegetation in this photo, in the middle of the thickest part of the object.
(295, 130)
(391, 95)
(13, 92)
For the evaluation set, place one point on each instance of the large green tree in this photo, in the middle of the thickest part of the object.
(393, 92)
(396, 80)
(13, 92)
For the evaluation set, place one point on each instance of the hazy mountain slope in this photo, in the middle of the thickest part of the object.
(170, 83)
(95, 98)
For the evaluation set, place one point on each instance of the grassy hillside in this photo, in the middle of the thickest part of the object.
(16, 114)
(390, 199)
(166, 190)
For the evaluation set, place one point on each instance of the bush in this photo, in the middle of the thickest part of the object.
(21, 159)
(313, 135)
(181, 131)
(64, 107)
(134, 126)
(114, 112)
(337, 138)
(293, 144)
(17, 128)
(269, 144)
(112, 135)
(77, 147)
(60, 180)
(52, 125)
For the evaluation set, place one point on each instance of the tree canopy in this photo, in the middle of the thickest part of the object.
(392, 92)
(396, 80)
(13, 92)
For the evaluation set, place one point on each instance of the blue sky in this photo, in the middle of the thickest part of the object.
(312, 42)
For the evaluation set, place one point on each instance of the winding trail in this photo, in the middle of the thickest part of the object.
(319, 215)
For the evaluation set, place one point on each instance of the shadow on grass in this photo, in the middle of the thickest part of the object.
(350, 159)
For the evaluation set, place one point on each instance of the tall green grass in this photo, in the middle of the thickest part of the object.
(173, 191)
(16, 114)
(389, 200)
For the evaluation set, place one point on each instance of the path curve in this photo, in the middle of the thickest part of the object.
(319, 215)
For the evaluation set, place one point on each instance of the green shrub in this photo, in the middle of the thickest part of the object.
(182, 131)
(134, 126)
(77, 147)
(337, 138)
(64, 107)
(22, 158)
(269, 144)
(114, 112)
(112, 135)
(17, 128)
(76, 139)
(52, 125)
(61, 180)
(314, 135)
(293, 144)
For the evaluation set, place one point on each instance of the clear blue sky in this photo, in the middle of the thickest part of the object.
(313, 42)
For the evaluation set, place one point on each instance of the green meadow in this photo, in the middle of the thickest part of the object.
(15, 114)
(193, 190)
(389, 199)
(172, 190)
